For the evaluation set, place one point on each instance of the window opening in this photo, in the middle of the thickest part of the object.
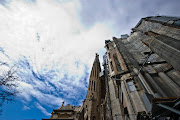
(94, 86)
(91, 85)
(131, 86)
(118, 66)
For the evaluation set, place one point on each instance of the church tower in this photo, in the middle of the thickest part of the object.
(93, 89)
(93, 97)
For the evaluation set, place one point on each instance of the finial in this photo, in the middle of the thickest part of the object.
(96, 58)
(97, 55)
(63, 103)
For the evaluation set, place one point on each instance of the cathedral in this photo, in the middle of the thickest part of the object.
(140, 78)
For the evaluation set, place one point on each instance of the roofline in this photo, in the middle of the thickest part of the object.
(146, 18)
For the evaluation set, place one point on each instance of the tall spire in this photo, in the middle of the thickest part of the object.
(94, 78)
(94, 91)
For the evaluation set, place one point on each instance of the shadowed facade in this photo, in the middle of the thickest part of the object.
(140, 79)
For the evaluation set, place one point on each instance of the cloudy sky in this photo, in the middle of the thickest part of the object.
(52, 43)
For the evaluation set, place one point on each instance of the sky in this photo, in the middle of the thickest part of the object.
(52, 44)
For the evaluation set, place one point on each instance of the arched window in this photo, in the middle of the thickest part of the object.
(94, 86)
(95, 73)
(91, 85)
(118, 66)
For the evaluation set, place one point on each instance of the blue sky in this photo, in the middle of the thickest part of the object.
(52, 44)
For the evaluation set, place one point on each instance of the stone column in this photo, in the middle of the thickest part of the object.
(165, 51)
(170, 83)
(176, 74)
(143, 80)
(115, 103)
(155, 85)
(128, 100)
(138, 103)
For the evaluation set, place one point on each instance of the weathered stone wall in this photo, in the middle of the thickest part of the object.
(154, 75)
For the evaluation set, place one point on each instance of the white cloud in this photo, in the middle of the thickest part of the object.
(24, 89)
(64, 46)
(63, 40)
(122, 15)
(28, 91)
(26, 108)
(43, 110)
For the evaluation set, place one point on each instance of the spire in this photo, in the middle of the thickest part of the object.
(94, 78)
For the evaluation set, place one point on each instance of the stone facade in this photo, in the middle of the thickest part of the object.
(144, 67)
(141, 78)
